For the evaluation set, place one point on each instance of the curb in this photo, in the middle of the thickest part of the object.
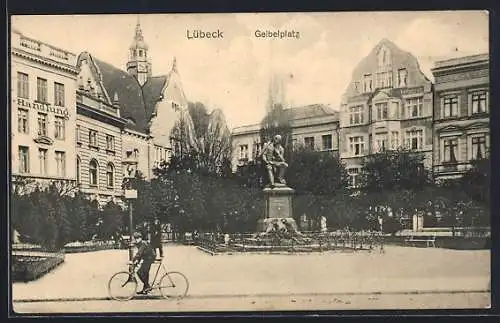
(415, 292)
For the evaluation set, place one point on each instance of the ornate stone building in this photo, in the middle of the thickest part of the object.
(43, 110)
(461, 114)
(387, 104)
(151, 105)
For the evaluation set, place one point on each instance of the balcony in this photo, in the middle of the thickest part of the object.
(96, 104)
(42, 49)
(452, 168)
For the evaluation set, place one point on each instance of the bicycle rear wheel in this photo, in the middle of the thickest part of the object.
(174, 285)
(122, 286)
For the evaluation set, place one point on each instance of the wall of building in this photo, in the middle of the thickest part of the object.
(36, 59)
(140, 148)
(103, 156)
(459, 78)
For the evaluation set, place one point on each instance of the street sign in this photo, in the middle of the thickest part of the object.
(130, 194)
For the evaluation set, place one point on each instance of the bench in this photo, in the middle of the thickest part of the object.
(429, 241)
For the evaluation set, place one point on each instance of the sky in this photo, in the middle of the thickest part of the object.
(232, 73)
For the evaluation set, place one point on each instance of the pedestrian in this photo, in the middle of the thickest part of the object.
(156, 233)
(147, 254)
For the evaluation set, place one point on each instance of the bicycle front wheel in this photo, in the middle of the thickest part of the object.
(122, 286)
(174, 285)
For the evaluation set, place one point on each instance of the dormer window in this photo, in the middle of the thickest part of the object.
(384, 57)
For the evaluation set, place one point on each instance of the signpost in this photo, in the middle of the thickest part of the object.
(130, 195)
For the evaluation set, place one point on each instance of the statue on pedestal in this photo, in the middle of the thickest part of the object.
(274, 161)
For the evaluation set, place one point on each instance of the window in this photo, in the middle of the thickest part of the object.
(78, 138)
(357, 145)
(479, 147)
(140, 52)
(356, 86)
(78, 170)
(60, 128)
(327, 142)
(381, 111)
(61, 163)
(356, 115)
(450, 150)
(93, 172)
(243, 151)
(384, 79)
(42, 124)
(309, 142)
(22, 121)
(59, 94)
(414, 139)
(175, 106)
(93, 138)
(110, 173)
(478, 100)
(354, 174)
(41, 90)
(367, 83)
(381, 142)
(394, 140)
(384, 57)
(450, 106)
(24, 159)
(110, 143)
(23, 89)
(42, 156)
(402, 77)
(414, 107)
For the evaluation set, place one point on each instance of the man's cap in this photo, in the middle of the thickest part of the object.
(277, 137)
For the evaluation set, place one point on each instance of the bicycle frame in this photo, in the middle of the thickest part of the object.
(133, 274)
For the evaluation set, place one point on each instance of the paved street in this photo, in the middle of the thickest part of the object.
(246, 276)
(269, 303)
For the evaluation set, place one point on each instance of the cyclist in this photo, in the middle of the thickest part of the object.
(147, 254)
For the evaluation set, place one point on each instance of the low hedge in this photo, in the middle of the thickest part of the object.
(28, 268)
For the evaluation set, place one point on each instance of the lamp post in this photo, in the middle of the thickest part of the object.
(130, 195)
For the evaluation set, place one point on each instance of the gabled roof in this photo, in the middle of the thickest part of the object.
(136, 103)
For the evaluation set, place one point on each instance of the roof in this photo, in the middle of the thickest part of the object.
(136, 103)
(152, 91)
(309, 111)
(463, 60)
(295, 113)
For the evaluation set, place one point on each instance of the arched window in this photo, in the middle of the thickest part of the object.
(93, 172)
(110, 175)
(78, 169)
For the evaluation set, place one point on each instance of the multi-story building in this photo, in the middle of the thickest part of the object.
(387, 105)
(98, 139)
(461, 114)
(314, 126)
(151, 105)
(43, 110)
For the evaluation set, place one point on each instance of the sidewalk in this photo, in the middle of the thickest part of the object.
(399, 270)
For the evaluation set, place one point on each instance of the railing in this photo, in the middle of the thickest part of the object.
(40, 48)
(452, 167)
(95, 104)
(305, 242)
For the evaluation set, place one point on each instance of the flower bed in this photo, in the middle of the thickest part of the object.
(87, 246)
(26, 268)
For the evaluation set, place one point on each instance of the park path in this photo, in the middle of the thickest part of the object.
(398, 270)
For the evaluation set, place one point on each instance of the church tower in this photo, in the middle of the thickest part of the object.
(138, 63)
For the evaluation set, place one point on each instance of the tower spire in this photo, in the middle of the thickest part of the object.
(174, 64)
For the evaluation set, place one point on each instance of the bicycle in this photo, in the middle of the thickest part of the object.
(122, 286)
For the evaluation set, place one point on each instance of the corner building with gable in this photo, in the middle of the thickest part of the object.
(141, 111)
(387, 105)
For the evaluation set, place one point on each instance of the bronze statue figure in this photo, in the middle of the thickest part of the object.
(274, 161)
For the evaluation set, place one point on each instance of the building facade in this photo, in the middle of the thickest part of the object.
(152, 106)
(461, 114)
(314, 126)
(43, 110)
(387, 105)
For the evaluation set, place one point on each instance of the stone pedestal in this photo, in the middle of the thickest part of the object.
(278, 205)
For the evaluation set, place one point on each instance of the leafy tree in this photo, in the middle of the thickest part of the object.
(112, 215)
